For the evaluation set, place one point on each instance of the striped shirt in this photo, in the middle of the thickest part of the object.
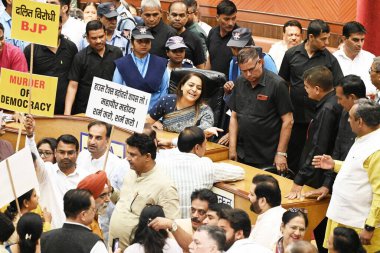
(190, 172)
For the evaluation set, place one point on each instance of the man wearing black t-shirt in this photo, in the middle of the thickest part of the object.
(151, 13)
(97, 59)
(178, 18)
(261, 119)
(219, 54)
(54, 61)
(312, 52)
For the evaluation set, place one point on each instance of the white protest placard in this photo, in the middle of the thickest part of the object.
(23, 174)
(118, 105)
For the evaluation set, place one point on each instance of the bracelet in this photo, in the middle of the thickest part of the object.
(282, 154)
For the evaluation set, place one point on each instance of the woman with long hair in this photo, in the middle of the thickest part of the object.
(46, 148)
(148, 240)
(185, 108)
(345, 240)
(29, 230)
(293, 228)
(27, 202)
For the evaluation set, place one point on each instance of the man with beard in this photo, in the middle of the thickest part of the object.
(99, 187)
(92, 160)
(237, 225)
(265, 198)
(145, 184)
(55, 179)
(183, 229)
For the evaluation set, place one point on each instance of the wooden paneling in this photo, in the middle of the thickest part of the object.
(266, 18)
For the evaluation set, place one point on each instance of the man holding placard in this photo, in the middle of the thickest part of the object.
(92, 160)
(54, 61)
(56, 179)
(97, 59)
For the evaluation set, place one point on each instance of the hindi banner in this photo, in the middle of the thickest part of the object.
(35, 22)
(23, 175)
(14, 92)
(118, 105)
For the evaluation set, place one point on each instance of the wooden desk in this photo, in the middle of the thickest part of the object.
(54, 127)
(316, 210)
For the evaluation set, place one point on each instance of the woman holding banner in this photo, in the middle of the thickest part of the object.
(185, 108)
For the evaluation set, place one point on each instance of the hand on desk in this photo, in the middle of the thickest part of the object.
(319, 193)
(225, 140)
(295, 192)
(158, 125)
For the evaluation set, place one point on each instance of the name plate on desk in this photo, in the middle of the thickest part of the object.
(224, 196)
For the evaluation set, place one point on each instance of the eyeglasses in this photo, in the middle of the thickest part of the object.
(251, 69)
(45, 153)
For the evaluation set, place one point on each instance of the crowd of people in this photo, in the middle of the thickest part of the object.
(301, 109)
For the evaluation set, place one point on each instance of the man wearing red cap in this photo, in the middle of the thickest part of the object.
(97, 184)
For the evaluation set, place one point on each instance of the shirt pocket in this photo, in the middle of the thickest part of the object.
(139, 202)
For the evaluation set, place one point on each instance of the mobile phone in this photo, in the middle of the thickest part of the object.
(115, 244)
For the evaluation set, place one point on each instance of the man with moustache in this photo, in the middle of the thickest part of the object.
(352, 58)
(183, 229)
(151, 13)
(265, 198)
(92, 160)
(219, 54)
(55, 179)
(99, 186)
(375, 77)
(97, 59)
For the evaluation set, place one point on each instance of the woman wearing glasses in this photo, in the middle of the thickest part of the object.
(293, 227)
(46, 148)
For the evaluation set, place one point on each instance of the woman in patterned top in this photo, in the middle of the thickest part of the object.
(185, 108)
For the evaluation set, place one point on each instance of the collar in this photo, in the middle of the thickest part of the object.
(58, 170)
(115, 34)
(228, 35)
(90, 50)
(61, 46)
(77, 224)
(136, 59)
(325, 98)
(157, 27)
(301, 48)
(147, 174)
(341, 53)
(262, 80)
(6, 16)
(271, 211)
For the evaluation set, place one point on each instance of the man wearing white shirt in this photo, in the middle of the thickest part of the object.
(265, 198)
(189, 170)
(237, 225)
(352, 58)
(75, 235)
(92, 159)
(56, 179)
(292, 36)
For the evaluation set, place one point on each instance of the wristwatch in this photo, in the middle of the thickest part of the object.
(282, 153)
(369, 228)
(174, 227)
